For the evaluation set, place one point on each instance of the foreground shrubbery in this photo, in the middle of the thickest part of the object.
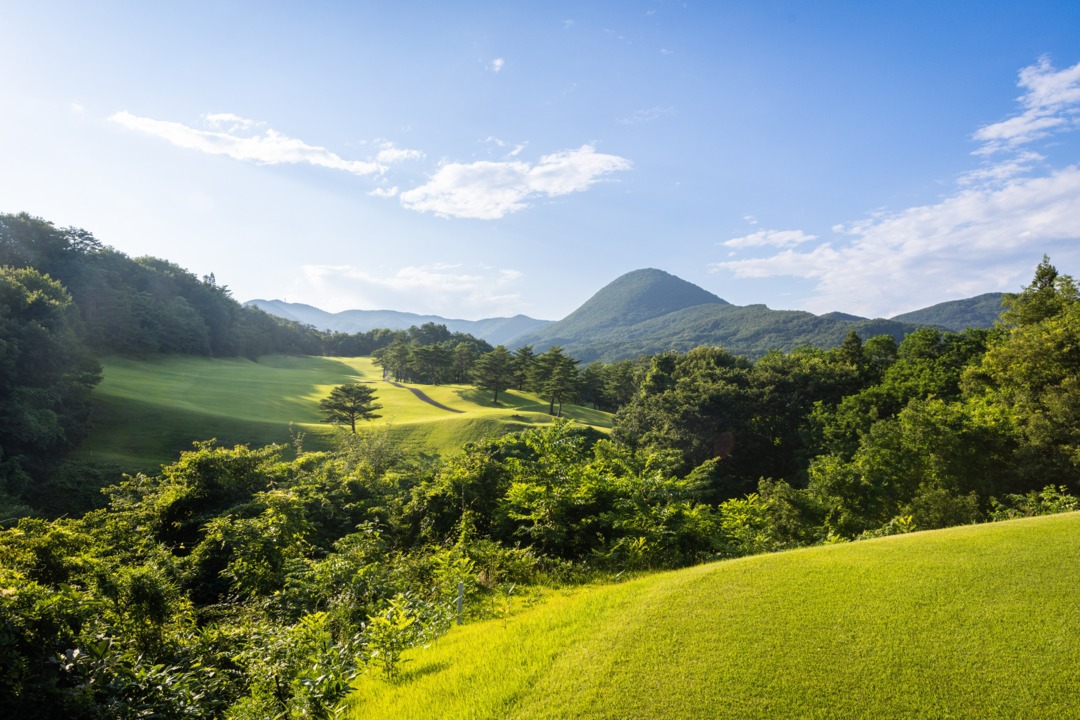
(240, 584)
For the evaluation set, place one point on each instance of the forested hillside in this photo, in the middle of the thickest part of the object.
(143, 305)
(957, 315)
(650, 311)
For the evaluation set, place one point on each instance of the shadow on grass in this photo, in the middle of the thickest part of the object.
(478, 397)
(406, 676)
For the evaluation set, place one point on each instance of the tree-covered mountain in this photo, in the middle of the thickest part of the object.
(981, 311)
(636, 297)
(650, 311)
(496, 331)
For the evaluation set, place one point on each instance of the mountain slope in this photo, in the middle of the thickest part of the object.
(975, 622)
(633, 298)
(649, 311)
(981, 311)
(496, 331)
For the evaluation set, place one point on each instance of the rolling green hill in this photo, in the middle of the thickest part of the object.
(971, 622)
(147, 411)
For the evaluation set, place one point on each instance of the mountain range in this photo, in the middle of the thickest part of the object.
(497, 331)
(649, 311)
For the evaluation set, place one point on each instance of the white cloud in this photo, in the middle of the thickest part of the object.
(384, 192)
(389, 154)
(1051, 103)
(448, 290)
(268, 147)
(969, 243)
(774, 238)
(490, 190)
(496, 65)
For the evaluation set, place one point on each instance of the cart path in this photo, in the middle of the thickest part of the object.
(420, 394)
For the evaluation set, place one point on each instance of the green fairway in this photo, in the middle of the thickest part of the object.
(972, 622)
(147, 411)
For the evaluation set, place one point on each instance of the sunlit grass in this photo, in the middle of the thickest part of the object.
(148, 411)
(972, 622)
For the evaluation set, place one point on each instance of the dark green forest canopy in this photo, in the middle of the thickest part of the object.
(46, 375)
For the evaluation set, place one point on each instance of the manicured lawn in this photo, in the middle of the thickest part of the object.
(973, 622)
(147, 411)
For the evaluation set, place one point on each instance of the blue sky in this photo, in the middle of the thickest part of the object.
(482, 159)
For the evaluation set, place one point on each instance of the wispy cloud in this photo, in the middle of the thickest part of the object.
(1051, 103)
(499, 143)
(449, 290)
(1011, 209)
(1001, 171)
(490, 190)
(770, 238)
(496, 65)
(646, 115)
(484, 190)
(248, 140)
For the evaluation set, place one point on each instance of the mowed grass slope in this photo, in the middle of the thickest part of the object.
(973, 622)
(147, 411)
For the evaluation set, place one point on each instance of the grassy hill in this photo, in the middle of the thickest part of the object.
(971, 622)
(147, 411)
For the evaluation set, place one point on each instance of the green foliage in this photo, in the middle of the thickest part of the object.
(1051, 500)
(429, 354)
(1048, 295)
(981, 311)
(555, 376)
(349, 403)
(494, 371)
(46, 376)
(390, 633)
